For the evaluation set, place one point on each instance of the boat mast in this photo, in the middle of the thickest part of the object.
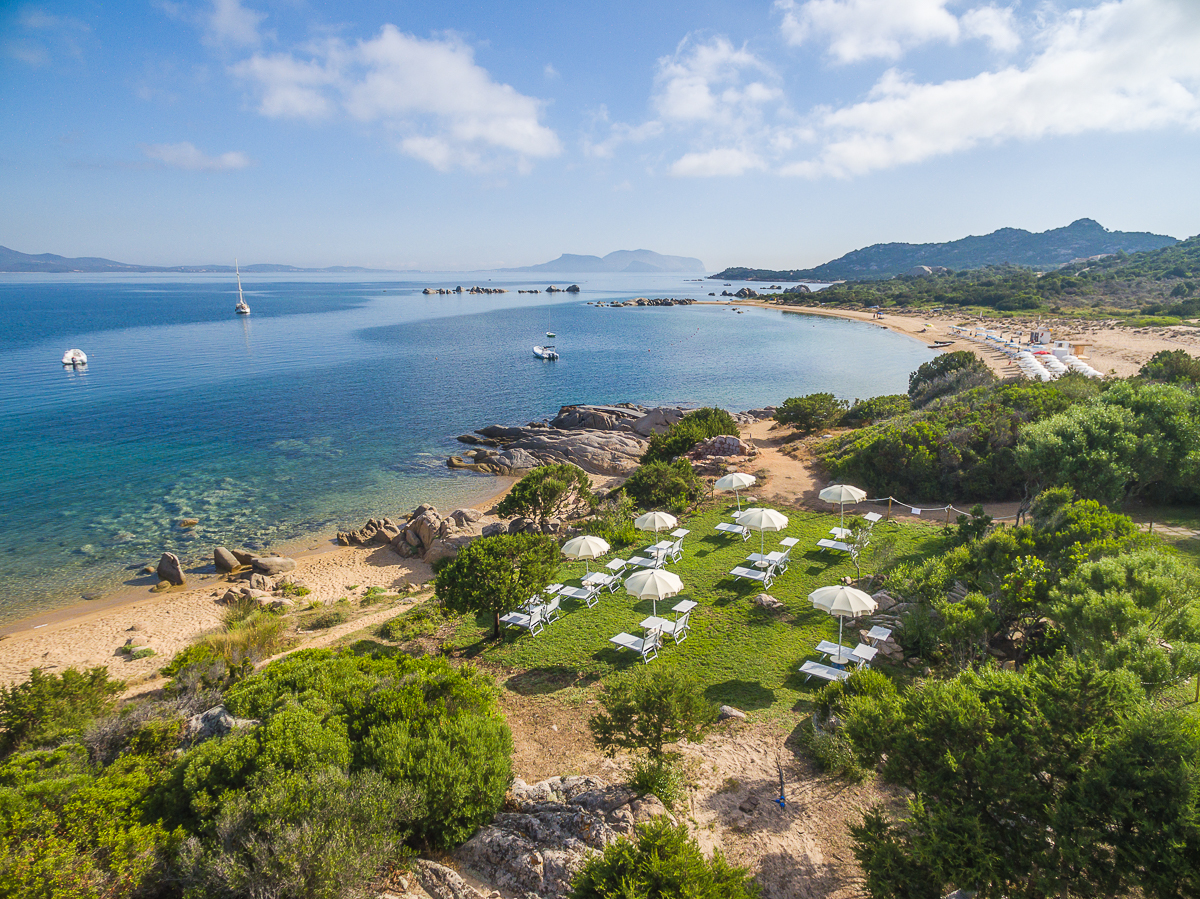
(241, 299)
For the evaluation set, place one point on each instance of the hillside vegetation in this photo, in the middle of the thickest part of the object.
(1007, 246)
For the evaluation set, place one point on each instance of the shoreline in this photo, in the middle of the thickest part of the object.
(177, 617)
(1114, 349)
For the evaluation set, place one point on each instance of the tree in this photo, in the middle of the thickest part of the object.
(1058, 780)
(661, 861)
(811, 413)
(494, 574)
(671, 484)
(550, 491)
(648, 708)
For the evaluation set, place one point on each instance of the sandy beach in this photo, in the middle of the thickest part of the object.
(1114, 349)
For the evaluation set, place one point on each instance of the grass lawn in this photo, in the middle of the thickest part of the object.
(745, 656)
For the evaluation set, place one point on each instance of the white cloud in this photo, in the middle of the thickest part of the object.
(442, 107)
(230, 24)
(712, 83)
(861, 29)
(1130, 65)
(993, 24)
(186, 156)
(720, 161)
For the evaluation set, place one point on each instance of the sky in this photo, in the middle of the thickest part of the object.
(460, 135)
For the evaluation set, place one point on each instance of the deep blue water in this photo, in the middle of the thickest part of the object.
(337, 399)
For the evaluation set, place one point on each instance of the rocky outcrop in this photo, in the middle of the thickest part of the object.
(273, 566)
(550, 829)
(170, 570)
(799, 288)
(476, 289)
(746, 294)
(442, 883)
(216, 722)
(722, 445)
(224, 559)
(607, 440)
(646, 301)
(424, 532)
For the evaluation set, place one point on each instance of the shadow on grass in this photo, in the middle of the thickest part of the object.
(545, 680)
(743, 694)
(372, 647)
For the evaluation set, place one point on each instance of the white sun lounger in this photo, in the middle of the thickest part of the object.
(534, 621)
(873, 517)
(763, 575)
(647, 648)
(825, 672)
(590, 595)
(834, 544)
(726, 528)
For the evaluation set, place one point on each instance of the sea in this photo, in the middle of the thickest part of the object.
(339, 398)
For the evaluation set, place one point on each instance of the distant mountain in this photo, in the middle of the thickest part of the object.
(12, 261)
(1044, 250)
(618, 261)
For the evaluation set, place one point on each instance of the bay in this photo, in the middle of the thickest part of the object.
(339, 398)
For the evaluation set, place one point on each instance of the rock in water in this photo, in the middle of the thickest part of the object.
(170, 570)
(224, 559)
(273, 565)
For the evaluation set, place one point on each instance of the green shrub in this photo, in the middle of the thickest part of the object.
(293, 837)
(661, 861)
(48, 708)
(646, 708)
(331, 618)
(812, 413)
(661, 777)
(947, 374)
(1172, 366)
(425, 726)
(690, 430)
(673, 485)
(877, 408)
(614, 521)
(550, 491)
(287, 588)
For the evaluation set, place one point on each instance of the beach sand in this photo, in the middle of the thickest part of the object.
(84, 636)
(1114, 349)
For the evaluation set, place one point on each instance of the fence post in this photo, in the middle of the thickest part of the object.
(889, 514)
(947, 516)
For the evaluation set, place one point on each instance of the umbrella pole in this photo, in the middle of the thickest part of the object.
(841, 621)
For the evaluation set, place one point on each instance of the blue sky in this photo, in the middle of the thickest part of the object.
(476, 135)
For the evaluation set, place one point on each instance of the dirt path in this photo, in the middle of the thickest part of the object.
(792, 482)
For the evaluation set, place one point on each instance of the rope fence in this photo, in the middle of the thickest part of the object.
(920, 510)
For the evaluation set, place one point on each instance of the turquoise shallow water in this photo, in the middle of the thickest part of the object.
(337, 399)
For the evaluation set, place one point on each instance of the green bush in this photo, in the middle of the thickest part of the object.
(647, 708)
(550, 491)
(1173, 367)
(323, 835)
(661, 861)
(425, 726)
(493, 574)
(690, 430)
(614, 521)
(673, 485)
(812, 413)
(49, 708)
(72, 831)
(662, 777)
(877, 408)
(947, 374)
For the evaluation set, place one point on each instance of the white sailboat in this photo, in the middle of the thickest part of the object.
(549, 333)
(242, 307)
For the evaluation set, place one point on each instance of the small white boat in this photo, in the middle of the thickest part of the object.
(75, 357)
(242, 307)
(545, 352)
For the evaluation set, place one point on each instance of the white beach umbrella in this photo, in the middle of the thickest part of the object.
(844, 602)
(842, 494)
(655, 521)
(585, 547)
(735, 481)
(653, 584)
(762, 520)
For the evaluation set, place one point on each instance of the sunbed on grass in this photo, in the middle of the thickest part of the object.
(825, 672)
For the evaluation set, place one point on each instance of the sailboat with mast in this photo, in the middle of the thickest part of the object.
(242, 307)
